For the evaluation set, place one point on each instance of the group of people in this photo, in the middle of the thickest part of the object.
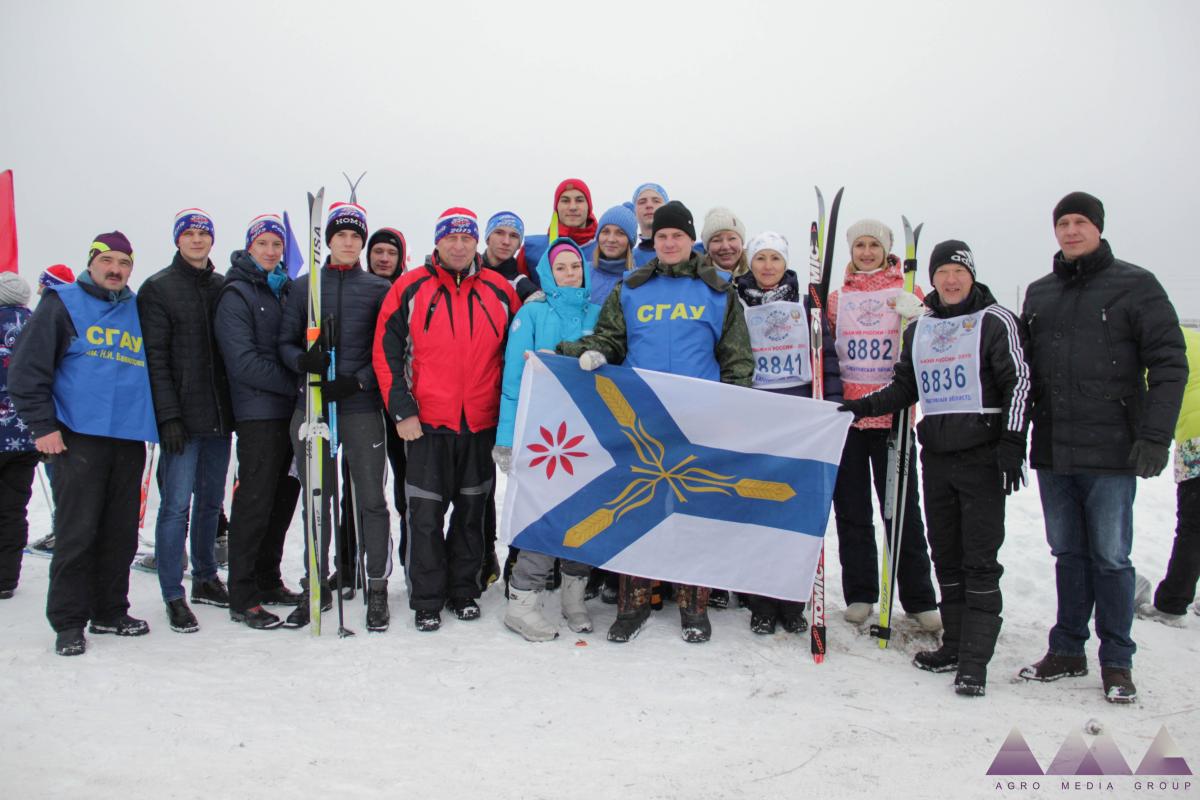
(422, 365)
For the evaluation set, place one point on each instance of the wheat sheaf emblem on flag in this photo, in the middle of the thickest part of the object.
(651, 472)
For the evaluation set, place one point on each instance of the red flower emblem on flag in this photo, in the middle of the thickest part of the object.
(556, 450)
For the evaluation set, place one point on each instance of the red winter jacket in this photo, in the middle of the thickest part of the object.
(439, 345)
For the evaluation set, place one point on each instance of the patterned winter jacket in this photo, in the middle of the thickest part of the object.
(1187, 430)
(14, 434)
(890, 277)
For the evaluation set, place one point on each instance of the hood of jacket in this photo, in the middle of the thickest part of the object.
(563, 297)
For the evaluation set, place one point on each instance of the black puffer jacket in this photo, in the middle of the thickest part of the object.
(1003, 377)
(1109, 363)
(176, 306)
(353, 296)
(248, 317)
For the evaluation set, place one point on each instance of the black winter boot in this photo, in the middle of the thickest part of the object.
(979, 633)
(378, 615)
(633, 608)
(693, 613)
(945, 658)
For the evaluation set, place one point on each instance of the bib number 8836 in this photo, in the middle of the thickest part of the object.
(943, 380)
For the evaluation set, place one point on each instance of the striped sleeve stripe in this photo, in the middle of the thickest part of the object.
(1020, 394)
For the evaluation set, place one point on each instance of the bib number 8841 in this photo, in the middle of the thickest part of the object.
(777, 366)
(943, 380)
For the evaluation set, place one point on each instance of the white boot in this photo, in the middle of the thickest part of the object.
(524, 615)
(1150, 611)
(930, 621)
(573, 608)
(857, 613)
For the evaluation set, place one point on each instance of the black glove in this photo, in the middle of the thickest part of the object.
(314, 360)
(1148, 459)
(339, 388)
(859, 408)
(172, 435)
(1010, 460)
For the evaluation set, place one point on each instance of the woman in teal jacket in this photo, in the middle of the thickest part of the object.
(566, 315)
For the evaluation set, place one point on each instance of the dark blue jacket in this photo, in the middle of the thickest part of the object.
(247, 328)
(352, 297)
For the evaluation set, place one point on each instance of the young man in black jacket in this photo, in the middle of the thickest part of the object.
(965, 362)
(1109, 370)
(351, 296)
(191, 402)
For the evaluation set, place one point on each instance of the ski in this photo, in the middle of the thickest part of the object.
(820, 262)
(331, 338)
(146, 492)
(314, 432)
(898, 469)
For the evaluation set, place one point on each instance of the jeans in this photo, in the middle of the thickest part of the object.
(195, 478)
(1089, 525)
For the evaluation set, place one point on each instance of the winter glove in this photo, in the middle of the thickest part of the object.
(592, 360)
(315, 360)
(1148, 459)
(908, 305)
(537, 296)
(172, 435)
(859, 408)
(339, 388)
(1010, 460)
(503, 458)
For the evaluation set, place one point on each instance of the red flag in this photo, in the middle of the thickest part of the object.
(8, 224)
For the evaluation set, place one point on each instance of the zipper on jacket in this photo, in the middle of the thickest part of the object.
(437, 298)
(474, 294)
(1107, 337)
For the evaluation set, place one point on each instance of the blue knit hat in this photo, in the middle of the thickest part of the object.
(505, 219)
(346, 217)
(656, 187)
(623, 218)
(265, 223)
(190, 218)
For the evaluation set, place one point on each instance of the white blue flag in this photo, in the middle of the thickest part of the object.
(673, 478)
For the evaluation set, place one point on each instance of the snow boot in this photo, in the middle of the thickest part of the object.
(1142, 591)
(857, 613)
(980, 630)
(633, 609)
(574, 587)
(718, 598)
(524, 615)
(70, 642)
(930, 621)
(693, 613)
(180, 617)
(762, 624)
(945, 658)
(1151, 612)
(210, 593)
(301, 616)
(6, 594)
(378, 615)
(280, 596)
(428, 621)
(1054, 666)
(123, 626)
(794, 621)
(464, 608)
(1118, 685)
(257, 617)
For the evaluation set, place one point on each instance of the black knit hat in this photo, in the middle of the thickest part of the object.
(388, 236)
(674, 215)
(1081, 203)
(951, 251)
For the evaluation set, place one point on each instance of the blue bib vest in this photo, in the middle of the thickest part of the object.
(673, 325)
(101, 386)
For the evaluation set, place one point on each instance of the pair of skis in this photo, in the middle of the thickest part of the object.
(899, 468)
(820, 266)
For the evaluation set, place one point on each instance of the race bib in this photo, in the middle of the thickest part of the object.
(867, 336)
(946, 363)
(779, 338)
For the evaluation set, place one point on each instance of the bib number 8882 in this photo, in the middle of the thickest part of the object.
(875, 349)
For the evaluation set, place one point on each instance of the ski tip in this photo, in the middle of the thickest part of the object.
(818, 658)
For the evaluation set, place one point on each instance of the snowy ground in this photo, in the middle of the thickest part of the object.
(474, 711)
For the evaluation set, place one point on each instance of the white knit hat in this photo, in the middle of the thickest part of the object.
(873, 228)
(14, 291)
(721, 219)
(768, 240)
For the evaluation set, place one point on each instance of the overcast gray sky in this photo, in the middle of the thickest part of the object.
(972, 117)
